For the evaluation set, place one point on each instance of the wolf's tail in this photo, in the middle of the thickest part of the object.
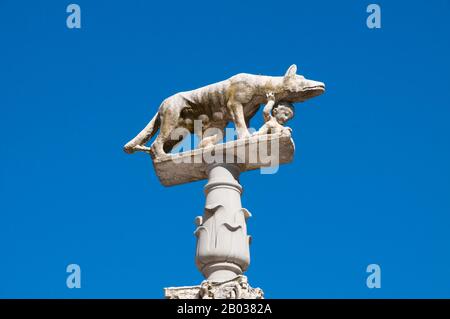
(144, 136)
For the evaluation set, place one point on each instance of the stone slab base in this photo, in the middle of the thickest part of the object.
(255, 152)
(236, 288)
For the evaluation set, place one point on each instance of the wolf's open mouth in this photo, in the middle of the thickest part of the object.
(316, 87)
(312, 91)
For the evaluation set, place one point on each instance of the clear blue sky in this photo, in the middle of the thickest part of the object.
(370, 182)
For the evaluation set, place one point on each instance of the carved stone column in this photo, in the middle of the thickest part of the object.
(222, 241)
(222, 253)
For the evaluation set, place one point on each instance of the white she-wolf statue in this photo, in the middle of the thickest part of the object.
(236, 99)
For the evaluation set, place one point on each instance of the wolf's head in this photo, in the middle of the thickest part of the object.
(297, 88)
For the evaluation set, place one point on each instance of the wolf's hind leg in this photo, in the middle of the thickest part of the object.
(176, 137)
(169, 122)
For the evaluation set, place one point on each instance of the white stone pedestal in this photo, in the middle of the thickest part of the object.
(222, 253)
(222, 240)
(236, 288)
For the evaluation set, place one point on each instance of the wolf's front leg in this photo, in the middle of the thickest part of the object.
(237, 112)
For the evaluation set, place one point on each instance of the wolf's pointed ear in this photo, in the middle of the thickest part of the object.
(291, 71)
